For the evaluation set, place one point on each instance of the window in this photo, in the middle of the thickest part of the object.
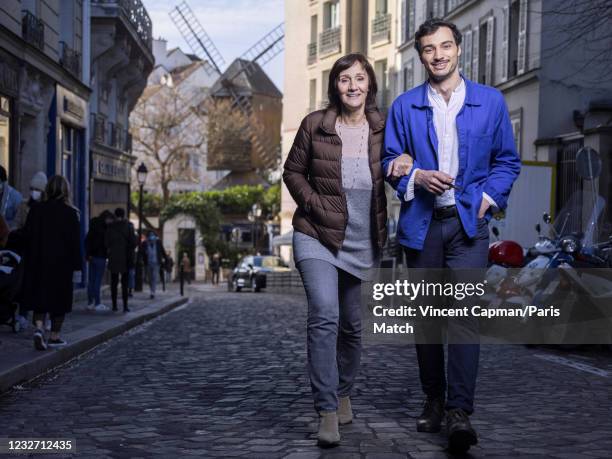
(67, 18)
(5, 132)
(381, 7)
(380, 69)
(68, 142)
(313, 28)
(331, 18)
(485, 52)
(324, 84)
(408, 25)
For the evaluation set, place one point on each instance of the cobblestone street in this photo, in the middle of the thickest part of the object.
(225, 376)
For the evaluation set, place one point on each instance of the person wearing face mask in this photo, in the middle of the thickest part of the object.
(37, 195)
(154, 256)
(37, 187)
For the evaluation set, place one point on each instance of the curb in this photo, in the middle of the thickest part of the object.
(83, 341)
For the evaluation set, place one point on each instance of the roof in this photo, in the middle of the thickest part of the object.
(254, 80)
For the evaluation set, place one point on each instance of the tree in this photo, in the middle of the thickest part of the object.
(582, 25)
(168, 131)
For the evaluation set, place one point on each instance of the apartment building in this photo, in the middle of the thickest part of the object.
(557, 103)
(317, 33)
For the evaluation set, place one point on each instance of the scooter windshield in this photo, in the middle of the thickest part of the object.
(582, 216)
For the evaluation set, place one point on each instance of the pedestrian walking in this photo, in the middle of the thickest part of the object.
(10, 199)
(53, 260)
(333, 173)
(154, 257)
(120, 243)
(186, 268)
(447, 197)
(38, 184)
(96, 253)
(215, 266)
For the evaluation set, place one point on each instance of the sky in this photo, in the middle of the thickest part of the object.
(233, 25)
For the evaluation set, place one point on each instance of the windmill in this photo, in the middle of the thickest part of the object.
(230, 84)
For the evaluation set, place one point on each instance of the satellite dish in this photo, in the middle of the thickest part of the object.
(588, 163)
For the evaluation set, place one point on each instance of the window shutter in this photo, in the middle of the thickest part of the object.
(522, 37)
(403, 31)
(467, 53)
(475, 52)
(504, 45)
(489, 51)
(411, 25)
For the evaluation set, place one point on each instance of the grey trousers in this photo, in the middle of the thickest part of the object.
(333, 331)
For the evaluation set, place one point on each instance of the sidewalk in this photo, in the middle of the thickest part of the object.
(82, 330)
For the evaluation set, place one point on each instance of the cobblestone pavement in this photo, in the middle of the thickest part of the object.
(225, 376)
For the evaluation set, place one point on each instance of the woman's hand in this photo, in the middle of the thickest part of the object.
(400, 166)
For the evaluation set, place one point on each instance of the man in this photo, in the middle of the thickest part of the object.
(96, 253)
(120, 242)
(458, 134)
(10, 200)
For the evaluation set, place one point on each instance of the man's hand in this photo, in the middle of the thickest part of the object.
(435, 182)
(484, 206)
(400, 166)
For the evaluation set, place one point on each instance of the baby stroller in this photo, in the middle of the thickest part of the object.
(11, 276)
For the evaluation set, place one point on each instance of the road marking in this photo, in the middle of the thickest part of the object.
(574, 364)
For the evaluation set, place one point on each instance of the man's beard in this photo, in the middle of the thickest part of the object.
(441, 78)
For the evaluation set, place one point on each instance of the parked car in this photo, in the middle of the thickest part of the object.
(251, 272)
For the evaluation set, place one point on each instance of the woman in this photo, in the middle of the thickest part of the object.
(53, 260)
(334, 174)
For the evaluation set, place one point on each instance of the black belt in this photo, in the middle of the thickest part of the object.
(441, 213)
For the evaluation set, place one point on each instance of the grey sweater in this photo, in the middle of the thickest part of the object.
(358, 254)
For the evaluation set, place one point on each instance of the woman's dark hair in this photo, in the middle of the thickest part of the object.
(58, 188)
(431, 26)
(345, 62)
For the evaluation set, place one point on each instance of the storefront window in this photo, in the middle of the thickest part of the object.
(5, 130)
(68, 143)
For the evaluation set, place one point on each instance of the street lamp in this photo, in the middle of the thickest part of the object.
(141, 177)
(256, 213)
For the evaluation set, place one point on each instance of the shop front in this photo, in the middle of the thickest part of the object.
(9, 90)
(110, 181)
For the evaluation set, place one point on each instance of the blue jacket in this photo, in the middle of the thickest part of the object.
(488, 161)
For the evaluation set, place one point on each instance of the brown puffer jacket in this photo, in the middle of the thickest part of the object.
(313, 176)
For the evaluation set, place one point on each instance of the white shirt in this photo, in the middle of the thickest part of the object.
(444, 118)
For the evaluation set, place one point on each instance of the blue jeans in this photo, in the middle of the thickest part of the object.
(152, 271)
(97, 266)
(132, 278)
(447, 246)
(333, 331)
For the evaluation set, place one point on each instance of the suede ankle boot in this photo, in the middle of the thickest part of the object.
(345, 412)
(328, 435)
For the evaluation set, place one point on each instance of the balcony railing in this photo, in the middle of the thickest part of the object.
(381, 28)
(312, 53)
(135, 13)
(70, 59)
(33, 30)
(330, 41)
